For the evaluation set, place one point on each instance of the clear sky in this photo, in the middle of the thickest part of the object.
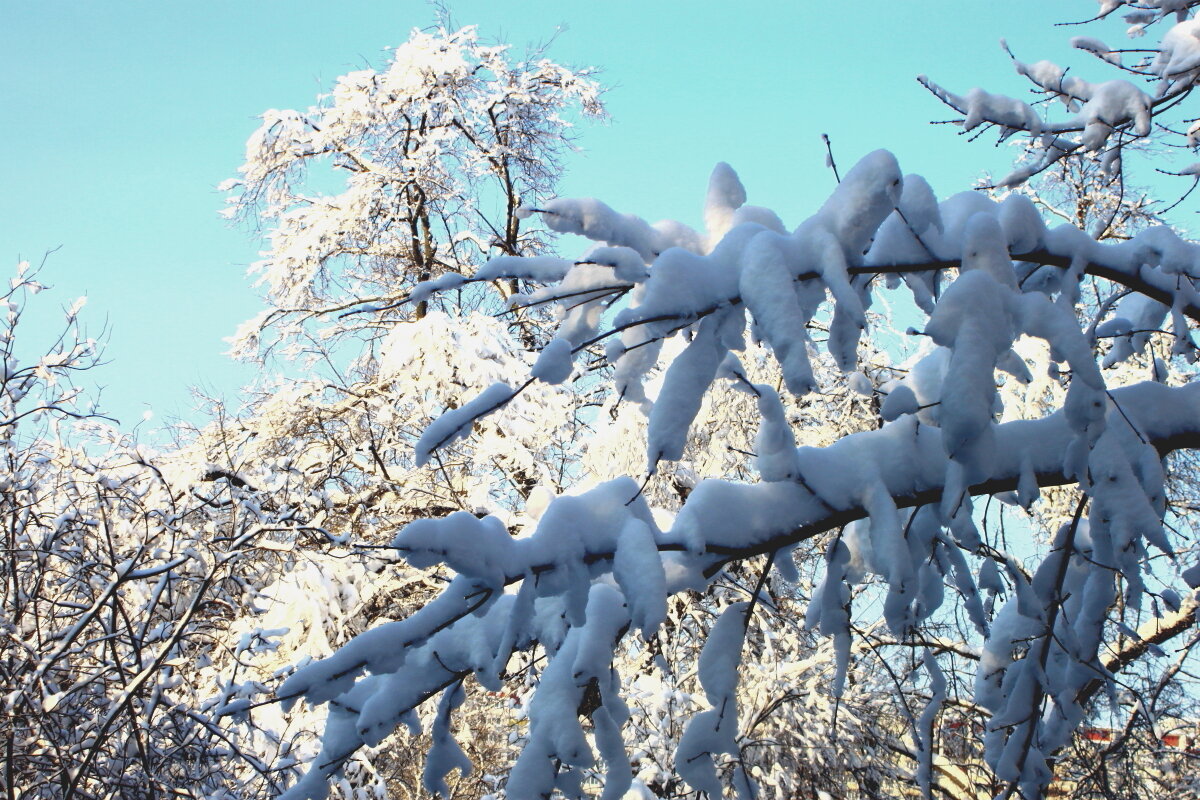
(120, 118)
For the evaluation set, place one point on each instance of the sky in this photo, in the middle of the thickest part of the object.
(120, 119)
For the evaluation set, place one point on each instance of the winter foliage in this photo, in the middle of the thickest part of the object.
(551, 500)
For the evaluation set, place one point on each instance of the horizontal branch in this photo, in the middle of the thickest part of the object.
(1155, 285)
(722, 521)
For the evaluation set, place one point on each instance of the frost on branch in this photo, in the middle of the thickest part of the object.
(891, 508)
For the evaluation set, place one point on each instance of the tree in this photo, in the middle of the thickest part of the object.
(893, 509)
(438, 151)
(120, 568)
(429, 159)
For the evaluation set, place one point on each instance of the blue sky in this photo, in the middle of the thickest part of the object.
(120, 119)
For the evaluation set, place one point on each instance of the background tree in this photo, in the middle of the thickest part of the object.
(430, 157)
(436, 153)
(121, 569)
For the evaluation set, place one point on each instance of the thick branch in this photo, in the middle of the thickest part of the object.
(732, 521)
(1153, 283)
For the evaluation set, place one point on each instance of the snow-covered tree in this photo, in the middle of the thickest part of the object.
(433, 155)
(400, 175)
(121, 568)
(436, 153)
(668, 313)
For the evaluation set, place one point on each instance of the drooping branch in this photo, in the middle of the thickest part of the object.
(1128, 264)
(745, 520)
(720, 522)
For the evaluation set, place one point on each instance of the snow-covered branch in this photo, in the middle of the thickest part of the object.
(1107, 116)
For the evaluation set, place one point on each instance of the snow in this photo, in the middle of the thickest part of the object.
(544, 269)
(983, 106)
(606, 620)
(713, 731)
(1113, 103)
(767, 289)
(1192, 576)
(722, 653)
(478, 548)
(775, 443)
(426, 289)
(1046, 74)
(1179, 52)
(578, 299)
(639, 572)
(899, 401)
(1097, 48)
(906, 237)
(726, 195)
(554, 363)
(867, 194)
(633, 355)
(683, 388)
(1090, 44)
(456, 423)
(1022, 224)
(682, 283)
(626, 263)
(597, 221)
(444, 754)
